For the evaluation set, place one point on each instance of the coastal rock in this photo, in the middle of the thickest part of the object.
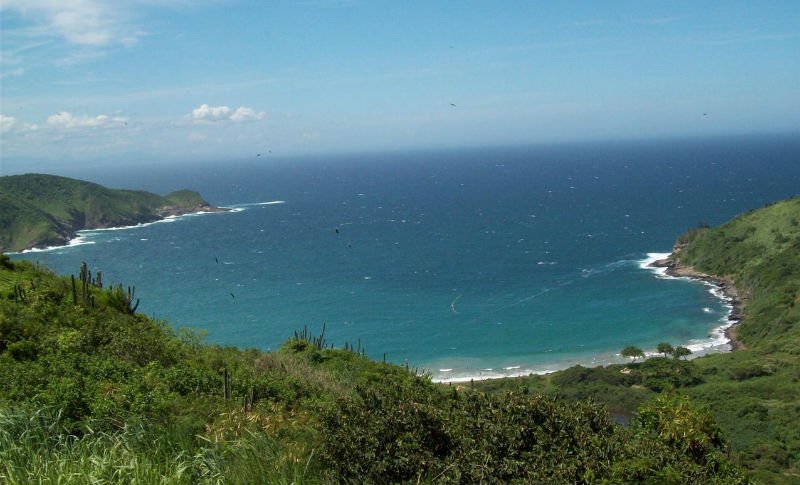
(725, 285)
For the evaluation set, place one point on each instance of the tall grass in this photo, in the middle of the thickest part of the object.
(36, 448)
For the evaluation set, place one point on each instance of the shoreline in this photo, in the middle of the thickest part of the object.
(163, 214)
(664, 265)
(724, 287)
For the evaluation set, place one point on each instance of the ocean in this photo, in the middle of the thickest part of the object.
(470, 263)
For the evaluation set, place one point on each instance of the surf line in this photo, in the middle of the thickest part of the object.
(453, 305)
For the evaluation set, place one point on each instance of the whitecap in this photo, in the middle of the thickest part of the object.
(81, 240)
(717, 340)
(647, 264)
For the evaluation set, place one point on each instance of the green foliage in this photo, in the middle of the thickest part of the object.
(632, 352)
(40, 210)
(89, 389)
(681, 351)
(665, 348)
(393, 436)
(184, 198)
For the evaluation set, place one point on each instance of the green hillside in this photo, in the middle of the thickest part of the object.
(92, 392)
(89, 388)
(753, 393)
(760, 250)
(40, 210)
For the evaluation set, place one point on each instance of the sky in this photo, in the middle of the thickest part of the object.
(109, 82)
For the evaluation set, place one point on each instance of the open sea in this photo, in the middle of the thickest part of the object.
(469, 263)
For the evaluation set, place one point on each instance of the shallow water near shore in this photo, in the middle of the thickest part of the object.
(467, 263)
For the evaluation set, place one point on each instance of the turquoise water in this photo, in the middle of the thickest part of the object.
(469, 263)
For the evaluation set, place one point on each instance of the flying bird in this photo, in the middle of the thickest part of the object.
(452, 104)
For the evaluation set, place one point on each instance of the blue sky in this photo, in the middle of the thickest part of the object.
(86, 81)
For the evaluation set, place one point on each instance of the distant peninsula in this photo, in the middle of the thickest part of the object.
(38, 210)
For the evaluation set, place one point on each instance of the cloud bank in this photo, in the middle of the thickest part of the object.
(66, 120)
(211, 114)
(91, 23)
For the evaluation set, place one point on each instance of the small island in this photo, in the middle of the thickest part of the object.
(38, 210)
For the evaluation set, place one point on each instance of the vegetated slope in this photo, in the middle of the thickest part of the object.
(91, 390)
(760, 251)
(40, 210)
(754, 393)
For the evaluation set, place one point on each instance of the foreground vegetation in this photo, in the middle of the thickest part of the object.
(92, 392)
(753, 393)
(40, 210)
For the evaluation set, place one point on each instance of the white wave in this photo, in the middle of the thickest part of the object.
(81, 240)
(511, 367)
(716, 341)
(647, 264)
(486, 374)
(613, 266)
(445, 370)
(241, 207)
(125, 228)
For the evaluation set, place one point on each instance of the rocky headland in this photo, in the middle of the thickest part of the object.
(724, 284)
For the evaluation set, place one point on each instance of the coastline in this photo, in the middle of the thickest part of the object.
(163, 214)
(723, 287)
(664, 265)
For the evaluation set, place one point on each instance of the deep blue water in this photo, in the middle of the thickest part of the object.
(509, 259)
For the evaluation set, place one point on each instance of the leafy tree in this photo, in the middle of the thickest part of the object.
(632, 352)
(665, 348)
(681, 351)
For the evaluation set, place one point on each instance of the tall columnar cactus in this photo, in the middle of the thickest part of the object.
(226, 384)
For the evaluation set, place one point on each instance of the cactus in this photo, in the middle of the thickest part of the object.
(317, 342)
(226, 384)
(131, 292)
(74, 291)
(19, 293)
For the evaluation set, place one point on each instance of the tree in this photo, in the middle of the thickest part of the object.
(665, 348)
(632, 352)
(681, 352)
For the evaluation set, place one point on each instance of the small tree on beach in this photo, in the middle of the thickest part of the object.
(632, 352)
(665, 348)
(681, 352)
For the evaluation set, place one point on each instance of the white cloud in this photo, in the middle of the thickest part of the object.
(243, 113)
(209, 114)
(6, 123)
(92, 23)
(64, 119)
